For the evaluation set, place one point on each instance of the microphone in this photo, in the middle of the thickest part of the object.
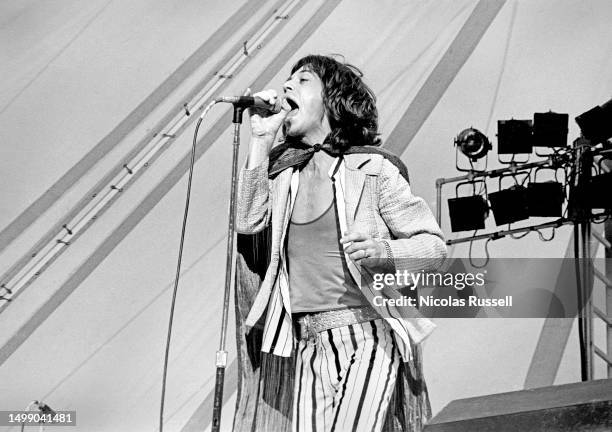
(252, 101)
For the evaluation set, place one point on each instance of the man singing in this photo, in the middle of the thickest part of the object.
(339, 209)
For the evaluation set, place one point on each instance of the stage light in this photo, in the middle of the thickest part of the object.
(597, 192)
(467, 213)
(473, 143)
(509, 205)
(545, 199)
(514, 136)
(550, 129)
(596, 123)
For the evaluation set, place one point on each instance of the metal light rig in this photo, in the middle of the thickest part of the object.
(587, 186)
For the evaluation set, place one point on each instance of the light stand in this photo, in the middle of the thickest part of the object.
(585, 313)
(579, 215)
(221, 356)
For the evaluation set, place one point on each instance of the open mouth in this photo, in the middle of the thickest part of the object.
(293, 106)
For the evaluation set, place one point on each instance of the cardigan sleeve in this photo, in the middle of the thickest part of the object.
(417, 240)
(253, 203)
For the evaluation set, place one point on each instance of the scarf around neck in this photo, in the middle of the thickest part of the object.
(298, 154)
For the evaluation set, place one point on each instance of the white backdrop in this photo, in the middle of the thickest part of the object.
(89, 333)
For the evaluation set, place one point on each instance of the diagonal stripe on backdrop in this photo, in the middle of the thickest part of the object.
(443, 74)
(61, 186)
(149, 202)
(171, 121)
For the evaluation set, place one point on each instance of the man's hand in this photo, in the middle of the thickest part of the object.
(359, 246)
(264, 127)
(264, 123)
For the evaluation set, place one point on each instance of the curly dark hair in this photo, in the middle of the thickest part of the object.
(349, 102)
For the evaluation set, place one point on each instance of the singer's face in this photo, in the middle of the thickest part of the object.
(303, 92)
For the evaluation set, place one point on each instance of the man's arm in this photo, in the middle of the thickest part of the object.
(418, 242)
(253, 203)
(253, 209)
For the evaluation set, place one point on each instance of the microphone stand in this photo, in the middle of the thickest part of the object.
(221, 356)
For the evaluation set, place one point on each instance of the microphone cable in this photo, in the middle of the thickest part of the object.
(179, 262)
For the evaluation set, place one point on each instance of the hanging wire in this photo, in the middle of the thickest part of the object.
(566, 184)
(544, 239)
(178, 264)
(483, 188)
(599, 221)
(483, 184)
(527, 177)
(518, 236)
(488, 257)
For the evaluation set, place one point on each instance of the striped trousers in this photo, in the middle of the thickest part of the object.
(344, 378)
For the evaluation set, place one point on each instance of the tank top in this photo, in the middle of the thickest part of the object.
(319, 279)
